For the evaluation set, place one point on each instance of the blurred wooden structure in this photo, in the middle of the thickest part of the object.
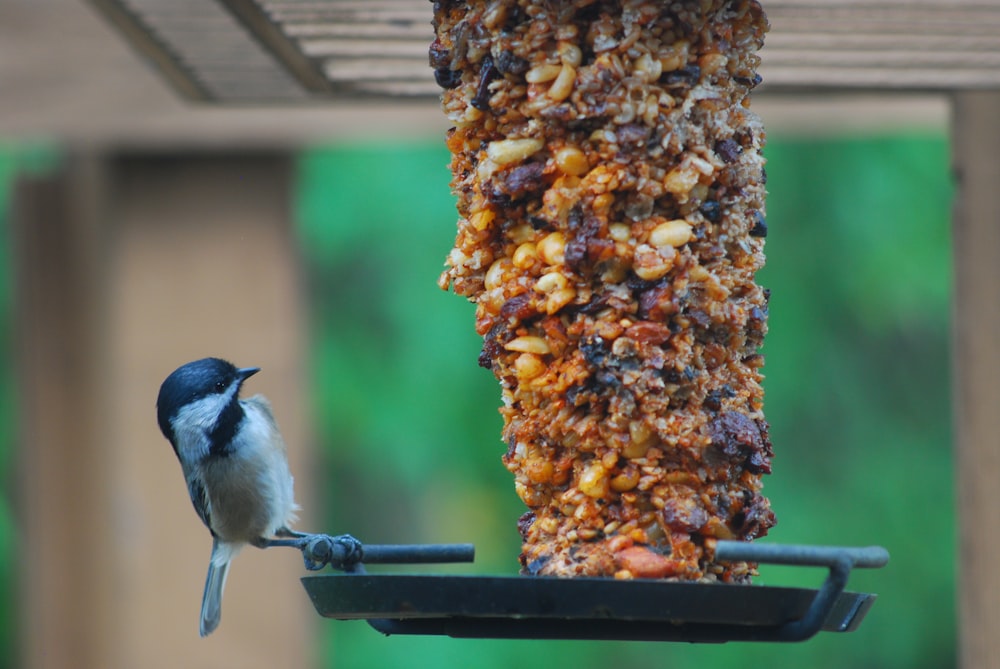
(165, 236)
(259, 49)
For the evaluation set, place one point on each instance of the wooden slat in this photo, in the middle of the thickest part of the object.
(199, 44)
(380, 46)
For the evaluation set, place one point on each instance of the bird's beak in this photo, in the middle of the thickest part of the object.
(246, 372)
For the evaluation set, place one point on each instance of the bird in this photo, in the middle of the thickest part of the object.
(234, 462)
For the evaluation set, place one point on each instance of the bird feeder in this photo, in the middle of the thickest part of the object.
(237, 51)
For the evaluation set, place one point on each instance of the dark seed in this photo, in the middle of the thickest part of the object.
(728, 149)
(686, 76)
(711, 210)
(487, 73)
(508, 63)
(759, 228)
(439, 56)
(446, 78)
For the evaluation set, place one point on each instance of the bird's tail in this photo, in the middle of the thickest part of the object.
(215, 583)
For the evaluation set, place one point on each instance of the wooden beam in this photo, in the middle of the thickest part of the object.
(63, 477)
(129, 265)
(976, 361)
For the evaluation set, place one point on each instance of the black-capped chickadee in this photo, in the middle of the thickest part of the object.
(234, 462)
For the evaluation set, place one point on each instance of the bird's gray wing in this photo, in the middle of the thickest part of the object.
(200, 500)
(262, 404)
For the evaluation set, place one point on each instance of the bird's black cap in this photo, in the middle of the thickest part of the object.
(192, 382)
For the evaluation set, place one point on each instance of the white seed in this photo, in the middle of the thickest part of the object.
(542, 73)
(702, 165)
(672, 233)
(508, 151)
(528, 344)
(563, 84)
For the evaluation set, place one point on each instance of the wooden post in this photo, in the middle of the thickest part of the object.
(127, 266)
(976, 361)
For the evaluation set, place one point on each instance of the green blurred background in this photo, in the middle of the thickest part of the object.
(859, 265)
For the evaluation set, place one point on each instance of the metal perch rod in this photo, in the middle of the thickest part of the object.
(345, 553)
(792, 554)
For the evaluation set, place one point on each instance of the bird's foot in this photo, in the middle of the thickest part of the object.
(342, 552)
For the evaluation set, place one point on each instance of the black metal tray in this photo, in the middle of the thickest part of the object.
(606, 609)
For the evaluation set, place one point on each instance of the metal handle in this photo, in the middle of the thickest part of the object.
(839, 560)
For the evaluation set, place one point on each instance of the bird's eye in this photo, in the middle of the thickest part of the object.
(220, 386)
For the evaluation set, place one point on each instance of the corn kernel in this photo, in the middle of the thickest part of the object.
(679, 181)
(609, 460)
(641, 441)
(698, 273)
(718, 529)
(528, 366)
(711, 63)
(699, 192)
(472, 114)
(563, 84)
(594, 480)
(675, 58)
(558, 299)
(620, 232)
(549, 525)
(648, 67)
(571, 160)
(539, 470)
(494, 275)
(552, 248)
(482, 219)
(603, 202)
(639, 432)
(521, 233)
(551, 281)
(525, 256)
(615, 272)
(528, 344)
(508, 151)
(570, 54)
(671, 233)
(625, 481)
(651, 263)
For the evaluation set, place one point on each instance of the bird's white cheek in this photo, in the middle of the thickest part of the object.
(192, 424)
